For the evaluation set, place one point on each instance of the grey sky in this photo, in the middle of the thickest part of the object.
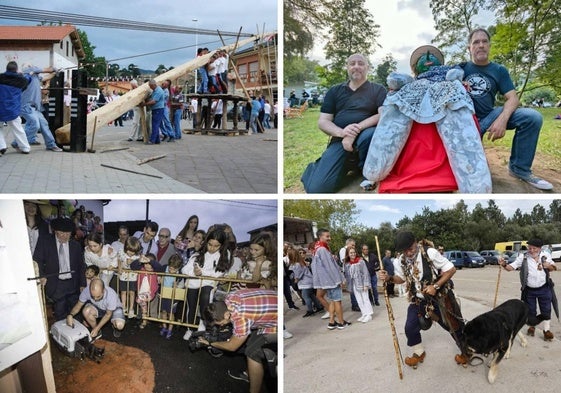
(224, 15)
(241, 215)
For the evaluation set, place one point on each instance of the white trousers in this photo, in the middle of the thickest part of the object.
(19, 134)
(363, 301)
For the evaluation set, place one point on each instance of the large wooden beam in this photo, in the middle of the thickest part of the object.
(114, 109)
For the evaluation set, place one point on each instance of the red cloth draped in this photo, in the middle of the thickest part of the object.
(423, 165)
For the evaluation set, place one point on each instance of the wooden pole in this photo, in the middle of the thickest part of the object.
(113, 109)
(391, 318)
(497, 286)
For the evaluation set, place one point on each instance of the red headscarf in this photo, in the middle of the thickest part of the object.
(353, 261)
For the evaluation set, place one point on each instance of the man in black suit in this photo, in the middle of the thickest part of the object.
(61, 266)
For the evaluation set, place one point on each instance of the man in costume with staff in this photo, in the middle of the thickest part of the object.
(427, 275)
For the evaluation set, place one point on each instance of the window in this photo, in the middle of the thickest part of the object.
(253, 71)
(67, 49)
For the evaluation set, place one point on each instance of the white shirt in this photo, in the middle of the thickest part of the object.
(536, 277)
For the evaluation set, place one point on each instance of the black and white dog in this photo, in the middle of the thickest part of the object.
(494, 331)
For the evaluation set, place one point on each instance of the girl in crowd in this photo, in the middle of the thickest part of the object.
(147, 284)
(259, 267)
(101, 255)
(92, 272)
(188, 230)
(169, 306)
(303, 278)
(193, 245)
(36, 225)
(127, 280)
(212, 261)
(78, 219)
(361, 283)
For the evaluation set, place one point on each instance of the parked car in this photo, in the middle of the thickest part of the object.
(491, 256)
(462, 259)
(556, 252)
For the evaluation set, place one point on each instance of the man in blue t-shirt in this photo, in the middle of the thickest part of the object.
(349, 114)
(485, 79)
(157, 102)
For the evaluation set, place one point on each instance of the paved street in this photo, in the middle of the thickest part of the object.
(194, 164)
(361, 358)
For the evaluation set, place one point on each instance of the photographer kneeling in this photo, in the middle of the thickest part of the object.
(253, 315)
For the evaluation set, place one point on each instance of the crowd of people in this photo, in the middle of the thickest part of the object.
(103, 283)
(369, 126)
(420, 271)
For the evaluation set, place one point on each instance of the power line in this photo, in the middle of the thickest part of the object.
(250, 203)
(29, 14)
(253, 206)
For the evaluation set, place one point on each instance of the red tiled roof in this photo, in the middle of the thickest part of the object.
(35, 33)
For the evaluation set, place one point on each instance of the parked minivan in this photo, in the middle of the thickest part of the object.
(462, 259)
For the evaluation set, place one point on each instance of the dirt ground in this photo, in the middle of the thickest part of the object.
(135, 371)
(503, 183)
(141, 361)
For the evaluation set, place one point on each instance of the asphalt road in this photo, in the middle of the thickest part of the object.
(362, 358)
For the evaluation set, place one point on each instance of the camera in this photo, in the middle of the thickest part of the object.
(212, 334)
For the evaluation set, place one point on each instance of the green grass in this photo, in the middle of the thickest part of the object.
(304, 143)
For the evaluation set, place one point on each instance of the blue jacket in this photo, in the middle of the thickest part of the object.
(11, 86)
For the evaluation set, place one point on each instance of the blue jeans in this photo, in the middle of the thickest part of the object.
(327, 174)
(374, 283)
(157, 116)
(166, 127)
(203, 88)
(309, 295)
(35, 121)
(253, 122)
(177, 122)
(526, 123)
(266, 119)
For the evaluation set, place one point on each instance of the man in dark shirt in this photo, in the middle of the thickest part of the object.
(373, 265)
(348, 114)
(485, 78)
(388, 266)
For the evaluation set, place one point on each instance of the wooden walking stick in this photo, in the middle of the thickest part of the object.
(497, 286)
(398, 357)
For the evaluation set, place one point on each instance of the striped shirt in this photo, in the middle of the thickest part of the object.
(253, 309)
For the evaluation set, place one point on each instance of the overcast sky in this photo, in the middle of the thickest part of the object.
(404, 26)
(373, 213)
(224, 15)
(241, 215)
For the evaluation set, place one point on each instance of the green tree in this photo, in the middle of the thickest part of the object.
(384, 69)
(134, 70)
(94, 66)
(161, 69)
(302, 20)
(351, 30)
(113, 69)
(298, 69)
(536, 22)
(453, 21)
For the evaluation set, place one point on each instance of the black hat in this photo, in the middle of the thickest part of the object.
(535, 242)
(62, 224)
(404, 240)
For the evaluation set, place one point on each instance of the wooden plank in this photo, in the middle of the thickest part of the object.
(114, 109)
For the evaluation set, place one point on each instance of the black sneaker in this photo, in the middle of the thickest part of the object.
(333, 325)
(343, 325)
(377, 303)
(355, 308)
(308, 314)
(294, 307)
(116, 332)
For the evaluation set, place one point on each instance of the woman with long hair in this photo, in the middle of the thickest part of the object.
(213, 260)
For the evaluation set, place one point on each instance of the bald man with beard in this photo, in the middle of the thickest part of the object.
(349, 114)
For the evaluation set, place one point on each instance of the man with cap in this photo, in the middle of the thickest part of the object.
(61, 266)
(436, 96)
(427, 274)
(535, 266)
